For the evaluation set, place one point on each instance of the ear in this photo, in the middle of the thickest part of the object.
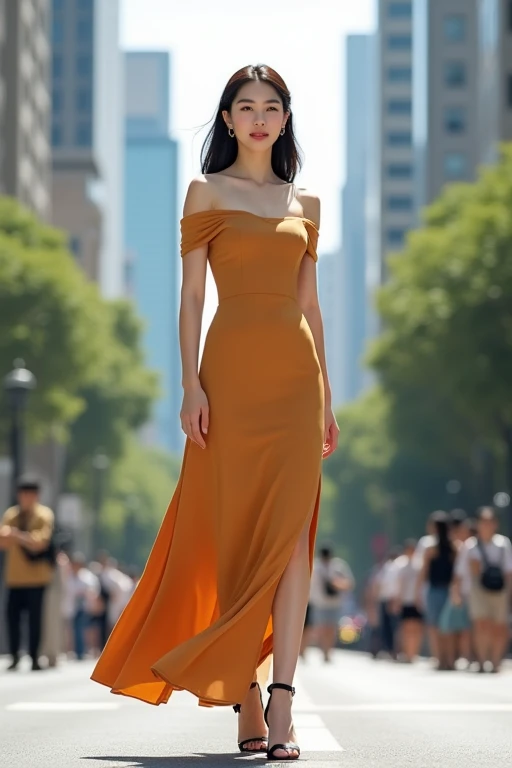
(227, 118)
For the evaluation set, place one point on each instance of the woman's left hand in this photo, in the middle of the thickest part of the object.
(331, 432)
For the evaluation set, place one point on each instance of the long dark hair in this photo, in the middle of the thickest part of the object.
(219, 151)
(442, 528)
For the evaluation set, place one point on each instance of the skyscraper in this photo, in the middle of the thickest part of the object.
(151, 232)
(394, 118)
(329, 287)
(25, 157)
(360, 118)
(446, 66)
(494, 76)
(87, 136)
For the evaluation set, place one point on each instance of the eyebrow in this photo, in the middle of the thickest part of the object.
(251, 101)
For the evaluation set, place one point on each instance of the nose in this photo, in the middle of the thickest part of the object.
(259, 120)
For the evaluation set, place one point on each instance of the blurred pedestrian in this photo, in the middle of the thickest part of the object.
(82, 590)
(411, 619)
(489, 555)
(454, 622)
(331, 580)
(437, 573)
(388, 593)
(26, 532)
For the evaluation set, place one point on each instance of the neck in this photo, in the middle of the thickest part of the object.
(256, 166)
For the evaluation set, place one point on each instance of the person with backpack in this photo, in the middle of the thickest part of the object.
(489, 557)
(26, 531)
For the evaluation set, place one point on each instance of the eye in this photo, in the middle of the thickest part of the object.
(246, 107)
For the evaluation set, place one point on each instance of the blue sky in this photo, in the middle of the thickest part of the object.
(303, 41)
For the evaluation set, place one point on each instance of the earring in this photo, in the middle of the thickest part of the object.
(231, 133)
(281, 133)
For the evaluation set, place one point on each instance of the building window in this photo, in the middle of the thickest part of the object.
(84, 6)
(454, 28)
(400, 42)
(83, 134)
(400, 10)
(84, 65)
(455, 120)
(400, 203)
(400, 170)
(75, 246)
(399, 74)
(57, 65)
(57, 32)
(399, 107)
(455, 165)
(396, 237)
(399, 139)
(84, 100)
(84, 30)
(57, 100)
(455, 74)
(57, 6)
(56, 135)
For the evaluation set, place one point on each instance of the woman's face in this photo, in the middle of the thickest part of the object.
(257, 116)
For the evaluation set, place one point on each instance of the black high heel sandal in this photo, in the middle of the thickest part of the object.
(289, 746)
(241, 744)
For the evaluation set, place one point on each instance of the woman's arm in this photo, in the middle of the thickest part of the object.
(307, 293)
(422, 575)
(194, 412)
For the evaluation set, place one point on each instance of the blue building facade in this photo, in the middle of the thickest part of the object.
(152, 231)
(353, 292)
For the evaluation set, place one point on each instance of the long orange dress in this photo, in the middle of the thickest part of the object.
(200, 617)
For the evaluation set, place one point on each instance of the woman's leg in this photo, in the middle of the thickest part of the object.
(288, 613)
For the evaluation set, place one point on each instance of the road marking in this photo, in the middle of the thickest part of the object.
(410, 707)
(313, 735)
(60, 706)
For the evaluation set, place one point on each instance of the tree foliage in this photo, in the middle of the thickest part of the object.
(50, 316)
(86, 353)
(443, 409)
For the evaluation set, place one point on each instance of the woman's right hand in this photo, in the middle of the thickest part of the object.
(194, 415)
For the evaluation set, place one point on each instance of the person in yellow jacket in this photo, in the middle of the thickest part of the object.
(26, 533)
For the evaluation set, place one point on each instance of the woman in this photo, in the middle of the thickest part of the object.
(437, 574)
(411, 620)
(227, 580)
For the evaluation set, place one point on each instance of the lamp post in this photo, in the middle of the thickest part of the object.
(100, 464)
(17, 385)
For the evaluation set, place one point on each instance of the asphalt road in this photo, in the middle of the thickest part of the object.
(354, 713)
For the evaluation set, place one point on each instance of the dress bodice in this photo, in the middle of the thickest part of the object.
(250, 253)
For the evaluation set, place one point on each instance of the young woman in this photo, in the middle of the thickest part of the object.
(437, 573)
(227, 581)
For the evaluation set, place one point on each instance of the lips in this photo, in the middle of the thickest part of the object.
(258, 135)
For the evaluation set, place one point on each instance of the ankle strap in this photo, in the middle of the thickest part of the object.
(281, 686)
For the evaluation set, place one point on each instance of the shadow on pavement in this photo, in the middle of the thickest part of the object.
(190, 761)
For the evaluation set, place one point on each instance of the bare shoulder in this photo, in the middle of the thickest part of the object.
(200, 195)
(310, 205)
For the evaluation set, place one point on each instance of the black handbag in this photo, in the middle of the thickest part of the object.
(330, 589)
(492, 577)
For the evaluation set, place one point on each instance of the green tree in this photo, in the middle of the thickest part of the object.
(445, 356)
(140, 487)
(119, 399)
(50, 316)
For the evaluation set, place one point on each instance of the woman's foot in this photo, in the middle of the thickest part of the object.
(281, 728)
(251, 723)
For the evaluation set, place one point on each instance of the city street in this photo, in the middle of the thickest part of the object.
(355, 713)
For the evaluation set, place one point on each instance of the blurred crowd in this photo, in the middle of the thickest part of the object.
(447, 595)
(58, 605)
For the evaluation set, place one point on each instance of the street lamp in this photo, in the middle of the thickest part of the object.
(17, 385)
(100, 464)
